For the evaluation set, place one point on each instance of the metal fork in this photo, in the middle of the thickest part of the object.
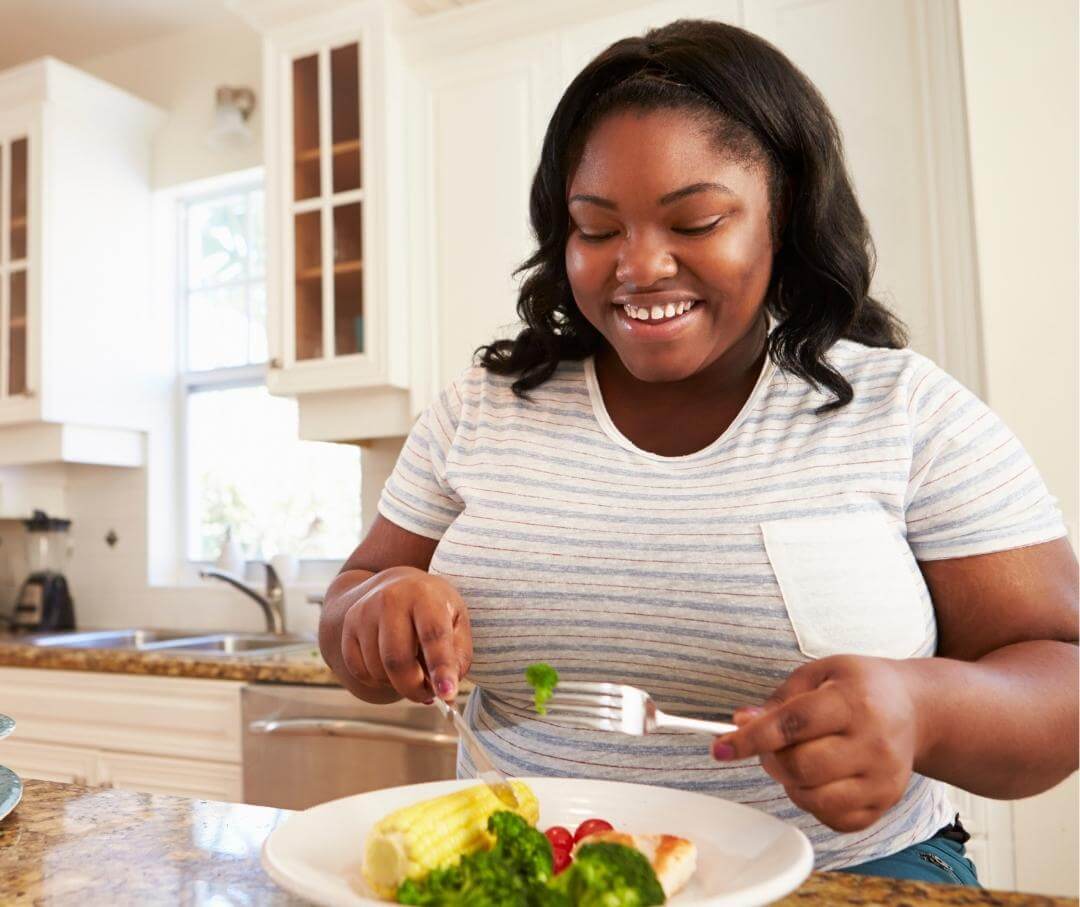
(621, 708)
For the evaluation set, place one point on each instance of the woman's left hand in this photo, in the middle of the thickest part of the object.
(840, 734)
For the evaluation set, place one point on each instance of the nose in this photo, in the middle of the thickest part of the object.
(643, 261)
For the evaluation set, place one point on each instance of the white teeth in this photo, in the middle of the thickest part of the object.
(658, 312)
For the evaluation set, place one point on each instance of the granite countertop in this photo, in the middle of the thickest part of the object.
(303, 666)
(66, 845)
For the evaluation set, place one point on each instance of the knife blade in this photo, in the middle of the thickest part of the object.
(486, 770)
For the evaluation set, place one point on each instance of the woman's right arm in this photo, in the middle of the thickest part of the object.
(388, 625)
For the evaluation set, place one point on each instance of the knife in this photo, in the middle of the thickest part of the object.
(496, 780)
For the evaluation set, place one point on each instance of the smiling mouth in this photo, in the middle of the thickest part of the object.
(658, 314)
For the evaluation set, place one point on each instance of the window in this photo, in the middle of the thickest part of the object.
(245, 469)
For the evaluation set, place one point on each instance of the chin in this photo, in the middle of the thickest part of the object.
(657, 369)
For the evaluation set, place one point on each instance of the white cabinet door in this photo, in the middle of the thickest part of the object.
(336, 318)
(178, 777)
(51, 762)
(485, 111)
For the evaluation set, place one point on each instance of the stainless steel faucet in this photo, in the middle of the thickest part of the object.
(272, 603)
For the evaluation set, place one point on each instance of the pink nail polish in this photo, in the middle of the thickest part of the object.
(752, 711)
(429, 702)
(723, 752)
(445, 687)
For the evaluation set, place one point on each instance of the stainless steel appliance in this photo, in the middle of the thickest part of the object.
(304, 745)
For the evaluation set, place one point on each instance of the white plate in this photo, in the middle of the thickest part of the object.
(745, 857)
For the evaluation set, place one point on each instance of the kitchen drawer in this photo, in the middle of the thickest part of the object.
(49, 762)
(178, 777)
(166, 716)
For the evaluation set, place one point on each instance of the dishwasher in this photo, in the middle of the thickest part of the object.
(304, 745)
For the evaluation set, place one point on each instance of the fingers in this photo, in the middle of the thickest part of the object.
(435, 631)
(411, 636)
(398, 653)
(845, 805)
(806, 716)
(816, 763)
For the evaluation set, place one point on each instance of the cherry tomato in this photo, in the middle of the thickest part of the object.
(560, 859)
(591, 827)
(560, 837)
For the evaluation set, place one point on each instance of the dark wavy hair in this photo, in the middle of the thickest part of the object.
(761, 110)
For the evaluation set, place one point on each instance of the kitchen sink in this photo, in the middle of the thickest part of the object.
(240, 643)
(178, 642)
(113, 639)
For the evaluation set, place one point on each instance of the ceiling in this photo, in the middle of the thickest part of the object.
(76, 30)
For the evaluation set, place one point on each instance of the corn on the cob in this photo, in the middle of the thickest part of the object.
(411, 842)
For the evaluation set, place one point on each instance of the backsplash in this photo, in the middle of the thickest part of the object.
(110, 583)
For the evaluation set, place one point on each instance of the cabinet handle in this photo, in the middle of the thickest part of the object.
(275, 362)
(344, 727)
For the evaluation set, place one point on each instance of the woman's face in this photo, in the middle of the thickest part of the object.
(661, 221)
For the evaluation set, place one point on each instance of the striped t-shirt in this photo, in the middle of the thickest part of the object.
(707, 578)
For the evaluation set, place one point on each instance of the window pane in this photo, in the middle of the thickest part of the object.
(217, 241)
(219, 328)
(247, 470)
(257, 258)
(257, 350)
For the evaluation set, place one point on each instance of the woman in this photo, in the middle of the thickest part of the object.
(709, 467)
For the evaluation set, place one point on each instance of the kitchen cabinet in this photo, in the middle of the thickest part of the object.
(74, 258)
(178, 777)
(337, 309)
(166, 735)
(51, 762)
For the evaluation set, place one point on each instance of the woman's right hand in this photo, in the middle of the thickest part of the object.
(407, 627)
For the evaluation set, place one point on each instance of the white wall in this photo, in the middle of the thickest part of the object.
(1021, 64)
(180, 73)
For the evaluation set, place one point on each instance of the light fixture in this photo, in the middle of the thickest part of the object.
(231, 114)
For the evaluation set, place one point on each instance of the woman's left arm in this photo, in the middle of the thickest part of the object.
(998, 706)
(995, 713)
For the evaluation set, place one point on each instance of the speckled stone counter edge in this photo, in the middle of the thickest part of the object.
(304, 667)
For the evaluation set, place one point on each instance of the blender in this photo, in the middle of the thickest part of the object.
(44, 602)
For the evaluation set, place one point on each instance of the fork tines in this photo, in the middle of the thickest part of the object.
(587, 705)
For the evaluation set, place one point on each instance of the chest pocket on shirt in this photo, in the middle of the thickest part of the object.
(850, 585)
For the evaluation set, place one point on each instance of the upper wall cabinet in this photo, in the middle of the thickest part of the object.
(338, 311)
(74, 273)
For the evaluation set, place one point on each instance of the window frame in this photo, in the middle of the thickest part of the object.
(189, 381)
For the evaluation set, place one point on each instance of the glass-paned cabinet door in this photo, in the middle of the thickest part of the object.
(327, 204)
(14, 264)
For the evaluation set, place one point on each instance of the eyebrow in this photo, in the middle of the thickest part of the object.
(668, 199)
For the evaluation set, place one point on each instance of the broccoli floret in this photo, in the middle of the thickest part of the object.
(520, 845)
(542, 678)
(609, 875)
(514, 873)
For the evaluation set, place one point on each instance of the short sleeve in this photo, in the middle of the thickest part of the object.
(973, 489)
(417, 496)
